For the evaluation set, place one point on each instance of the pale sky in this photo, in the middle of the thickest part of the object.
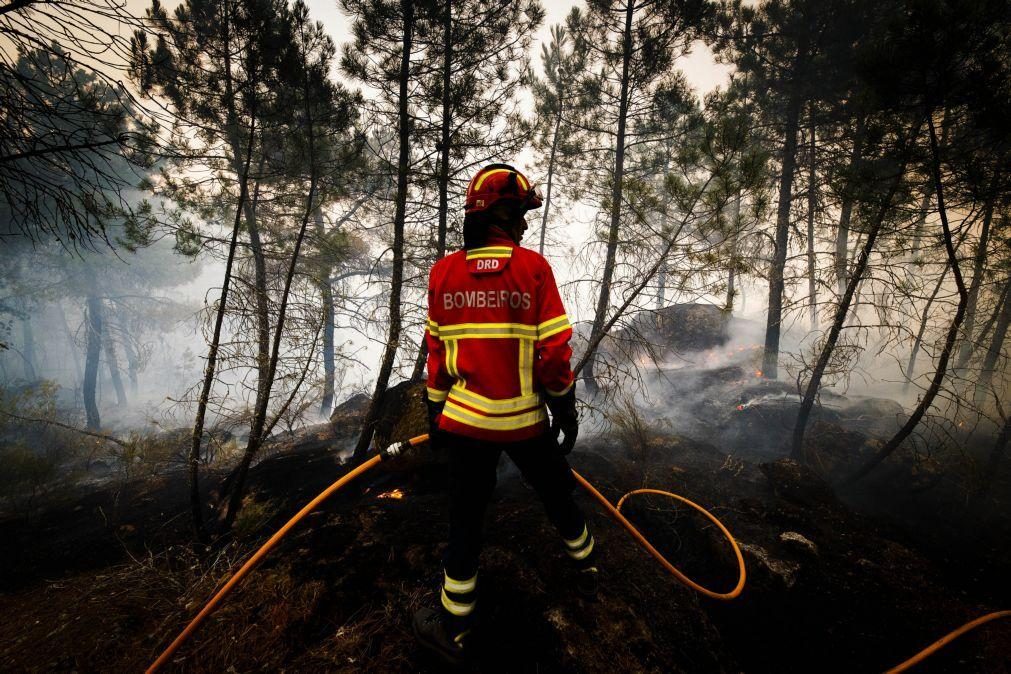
(699, 67)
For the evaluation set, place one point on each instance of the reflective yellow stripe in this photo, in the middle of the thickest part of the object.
(492, 406)
(456, 608)
(578, 542)
(583, 553)
(451, 349)
(510, 423)
(435, 395)
(522, 181)
(484, 176)
(459, 586)
(553, 327)
(487, 331)
(433, 327)
(489, 251)
(559, 394)
(526, 367)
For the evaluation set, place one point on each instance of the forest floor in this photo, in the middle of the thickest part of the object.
(102, 581)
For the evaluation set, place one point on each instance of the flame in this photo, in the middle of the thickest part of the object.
(758, 373)
(394, 494)
(740, 408)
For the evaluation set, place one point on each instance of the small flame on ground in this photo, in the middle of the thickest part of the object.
(758, 373)
(394, 494)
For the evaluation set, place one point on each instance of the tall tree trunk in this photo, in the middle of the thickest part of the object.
(403, 168)
(603, 301)
(193, 459)
(928, 193)
(732, 272)
(921, 221)
(551, 172)
(444, 147)
(258, 428)
(326, 295)
(978, 265)
(27, 337)
(262, 307)
(777, 270)
(661, 287)
(132, 361)
(446, 128)
(248, 208)
(814, 384)
(918, 342)
(812, 203)
(956, 323)
(846, 210)
(92, 352)
(257, 431)
(113, 362)
(28, 348)
(661, 277)
(993, 351)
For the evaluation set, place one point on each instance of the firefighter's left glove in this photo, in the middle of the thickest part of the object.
(564, 420)
(434, 410)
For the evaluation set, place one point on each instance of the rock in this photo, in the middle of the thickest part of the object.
(798, 483)
(878, 417)
(782, 569)
(799, 542)
(873, 407)
(677, 328)
(403, 414)
(351, 411)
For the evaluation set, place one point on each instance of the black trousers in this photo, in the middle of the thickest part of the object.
(472, 467)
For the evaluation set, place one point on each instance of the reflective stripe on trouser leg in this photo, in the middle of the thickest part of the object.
(458, 596)
(580, 548)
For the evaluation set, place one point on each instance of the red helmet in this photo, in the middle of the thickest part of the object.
(500, 182)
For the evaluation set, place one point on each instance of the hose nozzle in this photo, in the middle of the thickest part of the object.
(394, 450)
(398, 448)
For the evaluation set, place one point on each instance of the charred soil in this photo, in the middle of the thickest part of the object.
(828, 589)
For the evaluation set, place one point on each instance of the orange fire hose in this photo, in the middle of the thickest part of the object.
(947, 639)
(271, 544)
(615, 511)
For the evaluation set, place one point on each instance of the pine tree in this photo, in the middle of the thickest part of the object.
(554, 131)
(632, 47)
(380, 57)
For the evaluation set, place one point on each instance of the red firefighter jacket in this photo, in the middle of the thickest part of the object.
(498, 341)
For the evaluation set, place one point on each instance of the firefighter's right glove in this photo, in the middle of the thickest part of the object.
(564, 420)
(434, 410)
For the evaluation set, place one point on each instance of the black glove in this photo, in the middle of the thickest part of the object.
(434, 410)
(564, 420)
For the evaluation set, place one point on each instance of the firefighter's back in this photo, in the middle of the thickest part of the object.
(485, 306)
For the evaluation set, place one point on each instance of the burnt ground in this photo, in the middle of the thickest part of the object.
(85, 591)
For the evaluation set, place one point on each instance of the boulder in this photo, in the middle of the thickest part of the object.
(677, 328)
(351, 411)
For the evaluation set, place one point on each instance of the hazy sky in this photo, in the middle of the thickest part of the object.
(700, 69)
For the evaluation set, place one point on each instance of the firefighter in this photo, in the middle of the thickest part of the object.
(498, 353)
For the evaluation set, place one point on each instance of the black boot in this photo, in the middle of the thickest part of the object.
(434, 633)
